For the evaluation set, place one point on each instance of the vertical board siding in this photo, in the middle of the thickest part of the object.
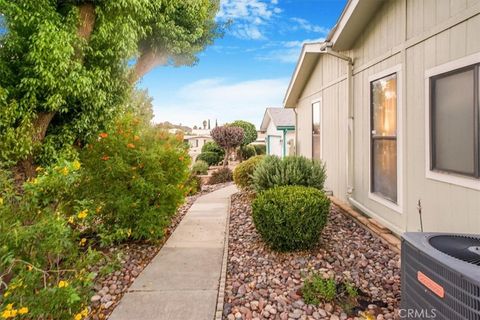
(445, 207)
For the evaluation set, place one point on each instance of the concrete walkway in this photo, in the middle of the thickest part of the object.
(182, 281)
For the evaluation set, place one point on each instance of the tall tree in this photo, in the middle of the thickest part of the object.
(66, 65)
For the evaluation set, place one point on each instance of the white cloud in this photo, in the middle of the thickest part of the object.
(286, 51)
(247, 16)
(220, 99)
(302, 24)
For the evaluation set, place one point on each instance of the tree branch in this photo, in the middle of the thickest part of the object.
(146, 62)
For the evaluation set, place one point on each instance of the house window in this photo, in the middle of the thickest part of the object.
(316, 130)
(383, 137)
(454, 117)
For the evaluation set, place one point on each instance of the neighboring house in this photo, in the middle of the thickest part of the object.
(196, 143)
(279, 127)
(390, 102)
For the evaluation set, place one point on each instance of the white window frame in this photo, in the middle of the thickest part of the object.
(446, 177)
(397, 207)
(319, 100)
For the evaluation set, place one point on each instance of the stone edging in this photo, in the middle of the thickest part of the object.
(370, 224)
(223, 275)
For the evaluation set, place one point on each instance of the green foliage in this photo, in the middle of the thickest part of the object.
(318, 289)
(292, 170)
(242, 175)
(260, 149)
(211, 146)
(246, 152)
(75, 86)
(211, 158)
(193, 185)
(200, 167)
(249, 131)
(40, 250)
(290, 217)
(152, 167)
(221, 175)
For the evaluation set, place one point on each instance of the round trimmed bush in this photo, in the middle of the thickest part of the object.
(200, 167)
(289, 171)
(291, 217)
(242, 175)
(211, 158)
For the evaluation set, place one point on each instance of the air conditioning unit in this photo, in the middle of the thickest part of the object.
(440, 276)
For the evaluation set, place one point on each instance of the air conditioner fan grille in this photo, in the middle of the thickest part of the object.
(464, 248)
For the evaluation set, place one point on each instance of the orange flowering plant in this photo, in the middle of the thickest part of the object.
(134, 172)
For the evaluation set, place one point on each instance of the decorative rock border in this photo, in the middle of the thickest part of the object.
(223, 275)
(369, 223)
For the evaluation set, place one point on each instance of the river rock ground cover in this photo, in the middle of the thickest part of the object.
(127, 261)
(263, 284)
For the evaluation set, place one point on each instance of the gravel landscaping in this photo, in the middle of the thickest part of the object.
(263, 284)
(132, 259)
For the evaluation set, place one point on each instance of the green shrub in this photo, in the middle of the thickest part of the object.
(260, 149)
(200, 167)
(44, 257)
(317, 289)
(221, 175)
(135, 179)
(291, 217)
(211, 146)
(249, 131)
(193, 185)
(292, 170)
(242, 175)
(246, 152)
(211, 158)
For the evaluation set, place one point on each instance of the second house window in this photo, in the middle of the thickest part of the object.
(383, 137)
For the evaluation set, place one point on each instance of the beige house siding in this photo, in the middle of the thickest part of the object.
(415, 35)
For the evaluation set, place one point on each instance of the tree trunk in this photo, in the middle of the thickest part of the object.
(225, 160)
(26, 168)
(87, 20)
(146, 62)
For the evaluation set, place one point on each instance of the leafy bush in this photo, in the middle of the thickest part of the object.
(292, 170)
(260, 149)
(246, 152)
(211, 146)
(193, 185)
(44, 259)
(211, 158)
(242, 175)
(200, 167)
(317, 289)
(291, 217)
(136, 180)
(221, 176)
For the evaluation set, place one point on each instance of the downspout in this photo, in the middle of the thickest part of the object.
(284, 142)
(350, 127)
(296, 130)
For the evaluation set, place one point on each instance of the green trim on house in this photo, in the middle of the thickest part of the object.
(284, 143)
(286, 128)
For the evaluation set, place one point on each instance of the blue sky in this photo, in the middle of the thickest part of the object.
(248, 69)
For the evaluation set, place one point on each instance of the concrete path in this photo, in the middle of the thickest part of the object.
(182, 281)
